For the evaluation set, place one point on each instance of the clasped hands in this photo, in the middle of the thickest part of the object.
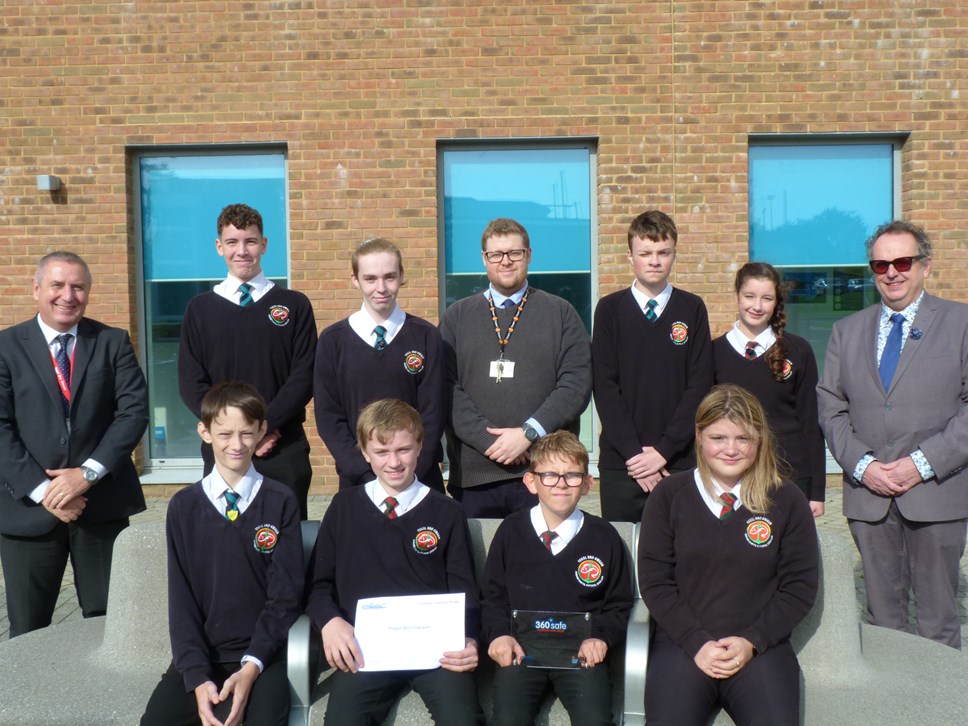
(893, 478)
(64, 497)
(725, 657)
(647, 468)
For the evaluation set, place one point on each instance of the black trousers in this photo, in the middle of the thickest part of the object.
(171, 705)
(33, 568)
(586, 693)
(622, 498)
(495, 500)
(364, 699)
(765, 692)
(287, 463)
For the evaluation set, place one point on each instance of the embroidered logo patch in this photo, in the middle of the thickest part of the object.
(759, 531)
(413, 362)
(279, 315)
(266, 538)
(787, 370)
(426, 541)
(680, 333)
(590, 571)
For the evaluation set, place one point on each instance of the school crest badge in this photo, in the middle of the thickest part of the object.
(279, 315)
(759, 532)
(679, 333)
(266, 538)
(413, 362)
(426, 541)
(590, 571)
(787, 370)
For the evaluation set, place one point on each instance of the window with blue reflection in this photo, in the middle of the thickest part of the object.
(547, 189)
(811, 208)
(180, 200)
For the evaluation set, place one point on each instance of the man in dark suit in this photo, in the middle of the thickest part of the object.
(73, 405)
(894, 408)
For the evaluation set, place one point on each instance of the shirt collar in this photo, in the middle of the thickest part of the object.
(566, 531)
(909, 313)
(713, 502)
(405, 499)
(215, 486)
(738, 339)
(50, 334)
(499, 299)
(662, 299)
(260, 283)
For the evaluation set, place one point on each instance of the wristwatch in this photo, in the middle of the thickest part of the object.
(89, 474)
(531, 433)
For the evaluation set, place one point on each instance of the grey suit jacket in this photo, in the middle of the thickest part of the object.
(926, 407)
(108, 416)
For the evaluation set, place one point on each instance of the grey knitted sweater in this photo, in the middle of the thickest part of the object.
(552, 378)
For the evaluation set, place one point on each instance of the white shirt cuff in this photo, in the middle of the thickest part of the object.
(253, 659)
(37, 495)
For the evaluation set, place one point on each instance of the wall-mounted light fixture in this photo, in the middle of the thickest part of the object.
(48, 182)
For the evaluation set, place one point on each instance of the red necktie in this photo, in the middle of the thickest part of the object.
(751, 350)
(728, 501)
(391, 504)
(548, 537)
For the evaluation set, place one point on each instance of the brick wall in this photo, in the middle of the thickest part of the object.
(362, 91)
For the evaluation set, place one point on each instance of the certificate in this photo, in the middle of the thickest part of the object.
(410, 632)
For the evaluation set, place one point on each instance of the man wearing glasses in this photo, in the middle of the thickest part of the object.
(894, 408)
(519, 366)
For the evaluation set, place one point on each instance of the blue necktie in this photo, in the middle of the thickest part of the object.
(381, 340)
(650, 313)
(892, 350)
(232, 508)
(246, 294)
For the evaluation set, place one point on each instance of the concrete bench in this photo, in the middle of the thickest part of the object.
(101, 671)
(311, 693)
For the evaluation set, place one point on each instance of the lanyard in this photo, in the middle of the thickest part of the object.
(503, 340)
(61, 381)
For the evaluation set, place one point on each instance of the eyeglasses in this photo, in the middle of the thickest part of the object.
(513, 255)
(551, 478)
(901, 264)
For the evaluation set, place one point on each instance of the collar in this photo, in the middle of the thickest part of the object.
(566, 531)
(738, 339)
(362, 324)
(714, 504)
(662, 299)
(406, 500)
(50, 334)
(499, 299)
(909, 313)
(215, 486)
(229, 287)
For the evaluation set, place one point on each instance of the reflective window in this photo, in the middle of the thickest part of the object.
(180, 200)
(548, 189)
(811, 208)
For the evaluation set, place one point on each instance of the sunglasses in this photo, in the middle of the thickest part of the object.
(901, 264)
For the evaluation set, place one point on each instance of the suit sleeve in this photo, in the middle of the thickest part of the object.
(432, 400)
(617, 422)
(332, 422)
(834, 409)
(21, 473)
(947, 450)
(289, 403)
(130, 409)
(573, 389)
(680, 430)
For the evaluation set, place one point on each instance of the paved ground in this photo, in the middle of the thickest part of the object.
(67, 608)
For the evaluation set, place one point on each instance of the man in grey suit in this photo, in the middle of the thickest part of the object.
(73, 405)
(894, 408)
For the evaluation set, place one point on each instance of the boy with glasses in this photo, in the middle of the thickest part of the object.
(546, 565)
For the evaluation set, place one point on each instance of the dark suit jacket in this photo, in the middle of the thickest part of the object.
(926, 407)
(108, 415)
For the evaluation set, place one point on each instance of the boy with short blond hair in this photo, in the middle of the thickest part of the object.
(235, 578)
(557, 560)
(374, 542)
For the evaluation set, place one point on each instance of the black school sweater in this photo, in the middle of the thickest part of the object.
(521, 574)
(234, 588)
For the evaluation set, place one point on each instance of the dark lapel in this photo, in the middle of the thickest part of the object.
(83, 348)
(927, 312)
(39, 353)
